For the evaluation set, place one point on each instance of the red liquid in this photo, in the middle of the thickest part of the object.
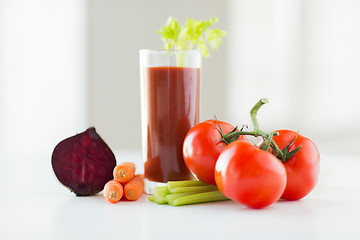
(172, 108)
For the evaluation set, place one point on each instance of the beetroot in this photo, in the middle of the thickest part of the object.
(83, 163)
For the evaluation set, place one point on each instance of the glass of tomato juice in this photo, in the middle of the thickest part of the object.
(170, 86)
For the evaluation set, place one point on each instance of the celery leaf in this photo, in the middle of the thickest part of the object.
(194, 34)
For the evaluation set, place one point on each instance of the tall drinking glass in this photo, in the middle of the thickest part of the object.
(170, 85)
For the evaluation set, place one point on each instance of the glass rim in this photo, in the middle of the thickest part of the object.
(166, 51)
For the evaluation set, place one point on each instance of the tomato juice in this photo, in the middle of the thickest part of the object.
(171, 109)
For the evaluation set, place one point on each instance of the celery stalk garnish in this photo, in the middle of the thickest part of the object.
(178, 193)
(198, 198)
(171, 198)
(194, 34)
(160, 193)
(193, 189)
(189, 183)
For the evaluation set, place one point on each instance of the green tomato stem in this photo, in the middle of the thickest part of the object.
(278, 151)
(267, 144)
(253, 113)
(257, 132)
(254, 133)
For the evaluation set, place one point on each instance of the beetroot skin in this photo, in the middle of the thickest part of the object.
(84, 163)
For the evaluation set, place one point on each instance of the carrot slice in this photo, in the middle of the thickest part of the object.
(124, 172)
(134, 188)
(113, 191)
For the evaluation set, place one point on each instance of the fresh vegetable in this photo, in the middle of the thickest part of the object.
(83, 163)
(159, 195)
(195, 33)
(194, 189)
(257, 132)
(302, 168)
(134, 188)
(181, 199)
(298, 154)
(131, 186)
(113, 191)
(202, 146)
(178, 193)
(285, 165)
(249, 175)
(124, 172)
(188, 183)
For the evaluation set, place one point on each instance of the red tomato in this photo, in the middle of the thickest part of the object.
(303, 168)
(249, 175)
(202, 147)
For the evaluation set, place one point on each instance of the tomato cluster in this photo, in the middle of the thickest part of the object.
(284, 166)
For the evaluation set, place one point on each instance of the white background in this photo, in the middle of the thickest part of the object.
(66, 65)
(36, 206)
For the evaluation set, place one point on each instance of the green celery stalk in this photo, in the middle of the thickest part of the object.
(196, 189)
(159, 194)
(195, 198)
(170, 198)
(178, 193)
(190, 183)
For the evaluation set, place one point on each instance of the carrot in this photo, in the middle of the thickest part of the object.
(124, 172)
(113, 191)
(134, 188)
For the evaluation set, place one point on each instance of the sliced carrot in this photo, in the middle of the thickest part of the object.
(134, 188)
(124, 172)
(113, 191)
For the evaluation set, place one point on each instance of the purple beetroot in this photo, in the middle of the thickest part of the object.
(83, 163)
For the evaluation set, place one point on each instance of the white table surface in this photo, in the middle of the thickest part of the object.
(34, 205)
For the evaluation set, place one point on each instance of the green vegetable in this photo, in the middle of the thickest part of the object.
(178, 193)
(171, 198)
(195, 33)
(193, 189)
(159, 194)
(197, 198)
(191, 183)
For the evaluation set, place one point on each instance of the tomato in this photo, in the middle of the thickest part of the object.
(249, 175)
(202, 147)
(302, 169)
